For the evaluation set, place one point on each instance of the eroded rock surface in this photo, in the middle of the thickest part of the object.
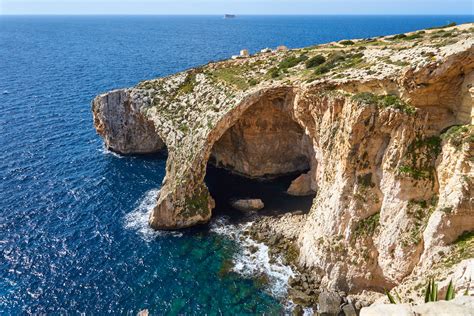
(384, 127)
(248, 204)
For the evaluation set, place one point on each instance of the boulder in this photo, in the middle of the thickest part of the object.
(301, 186)
(143, 312)
(247, 204)
(387, 310)
(298, 311)
(458, 306)
(442, 308)
(329, 303)
(349, 310)
(299, 297)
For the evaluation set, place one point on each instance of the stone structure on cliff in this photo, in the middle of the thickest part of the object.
(382, 128)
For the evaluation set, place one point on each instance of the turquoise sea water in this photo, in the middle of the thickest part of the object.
(73, 234)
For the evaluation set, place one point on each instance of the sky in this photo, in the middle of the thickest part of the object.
(464, 7)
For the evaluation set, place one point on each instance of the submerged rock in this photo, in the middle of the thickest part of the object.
(248, 204)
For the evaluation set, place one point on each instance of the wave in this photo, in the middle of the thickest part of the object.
(138, 218)
(253, 259)
(107, 151)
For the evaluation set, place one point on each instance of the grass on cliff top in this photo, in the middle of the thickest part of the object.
(337, 60)
(287, 63)
(384, 101)
(234, 76)
(188, 85)
(406, 37)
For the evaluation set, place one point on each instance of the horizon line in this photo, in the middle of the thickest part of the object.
(236, 14)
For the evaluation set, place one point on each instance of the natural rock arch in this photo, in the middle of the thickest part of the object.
(267, 113)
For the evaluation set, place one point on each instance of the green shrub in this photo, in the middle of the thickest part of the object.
(315, 61)
(322, 69)
(292, 61)
(442, 27)
(273, 72)
(188, 84)
(413, 36)
(397, 37)
(253, 82)
(346, 42)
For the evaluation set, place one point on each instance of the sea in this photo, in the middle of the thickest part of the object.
(73, 216)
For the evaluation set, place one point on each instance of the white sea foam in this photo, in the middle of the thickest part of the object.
(106, 151)
(253, 258)
(138, 218)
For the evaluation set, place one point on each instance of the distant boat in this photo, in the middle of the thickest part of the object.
(229, 16)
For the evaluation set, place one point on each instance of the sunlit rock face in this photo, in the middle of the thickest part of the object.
(118, 119)
(382, 133)
(264, 142)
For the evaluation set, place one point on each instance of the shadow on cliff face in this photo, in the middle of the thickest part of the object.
(259, 157)
(225, 186)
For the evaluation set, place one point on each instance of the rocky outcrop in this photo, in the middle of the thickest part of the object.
(381, 130)
(301, 186)
(118, 118)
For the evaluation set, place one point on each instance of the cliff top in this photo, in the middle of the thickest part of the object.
(356, 59)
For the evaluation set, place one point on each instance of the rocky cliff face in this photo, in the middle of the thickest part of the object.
(382, 128)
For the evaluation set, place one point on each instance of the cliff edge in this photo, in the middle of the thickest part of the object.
(380, 128)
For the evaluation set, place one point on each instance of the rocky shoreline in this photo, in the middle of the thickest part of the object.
(304, 288)
(307, 294)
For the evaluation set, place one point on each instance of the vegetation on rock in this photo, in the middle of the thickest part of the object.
(315, 61)
(384, 101)
(366, 227)
(458, 135)
(420, 157)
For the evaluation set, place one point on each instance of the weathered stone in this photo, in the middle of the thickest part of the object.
(329, 303)
(442, 308)
(297, 311)
(248, 204)
(388, 310)
(299, 297)
(125, 129)
(349, 310)
(462, 307)
(301, 186)
(143, 312)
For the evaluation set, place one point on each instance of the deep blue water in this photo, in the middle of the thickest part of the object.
(73, 233)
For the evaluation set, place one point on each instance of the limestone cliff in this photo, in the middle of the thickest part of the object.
(382, 127)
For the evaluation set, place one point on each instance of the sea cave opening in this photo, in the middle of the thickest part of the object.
(265, 154)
